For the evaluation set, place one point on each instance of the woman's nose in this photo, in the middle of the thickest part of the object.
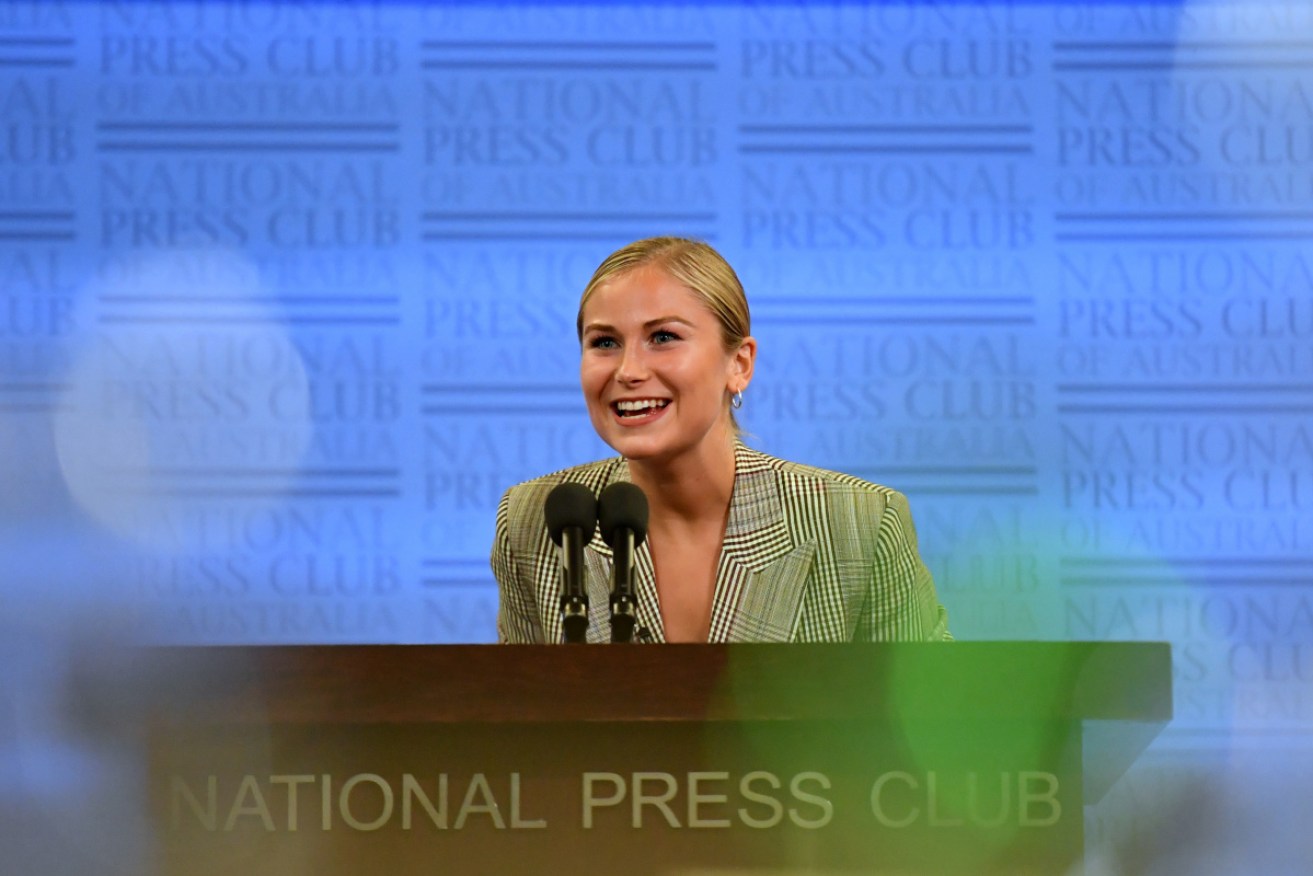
(632, 367)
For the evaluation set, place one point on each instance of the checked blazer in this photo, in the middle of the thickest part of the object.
(809, 555)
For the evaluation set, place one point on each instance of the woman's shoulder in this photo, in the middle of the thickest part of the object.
(849, 503)
(803, 475)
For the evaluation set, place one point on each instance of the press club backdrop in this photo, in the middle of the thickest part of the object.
(287, 296)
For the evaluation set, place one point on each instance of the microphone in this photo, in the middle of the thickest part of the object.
(622, 516)
(571, 513)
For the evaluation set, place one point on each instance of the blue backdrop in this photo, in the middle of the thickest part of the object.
(287, 298)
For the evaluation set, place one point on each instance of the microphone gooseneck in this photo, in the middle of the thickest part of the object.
(622, 517)
(571, 517)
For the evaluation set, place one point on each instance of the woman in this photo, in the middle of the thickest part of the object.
(740, 546)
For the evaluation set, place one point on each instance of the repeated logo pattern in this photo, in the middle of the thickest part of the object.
(287, 298)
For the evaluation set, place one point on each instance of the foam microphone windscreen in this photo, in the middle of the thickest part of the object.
(622, 505)
(569, 505)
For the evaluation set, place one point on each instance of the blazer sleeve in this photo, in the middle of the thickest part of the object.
(517, 615)
(901, 604)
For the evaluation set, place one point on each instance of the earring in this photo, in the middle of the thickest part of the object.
(736, 400)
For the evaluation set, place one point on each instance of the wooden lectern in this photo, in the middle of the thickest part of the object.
(681, 759)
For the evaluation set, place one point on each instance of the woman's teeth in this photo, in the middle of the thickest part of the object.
(640, 407)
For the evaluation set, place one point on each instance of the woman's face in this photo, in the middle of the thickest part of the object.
(654, 368)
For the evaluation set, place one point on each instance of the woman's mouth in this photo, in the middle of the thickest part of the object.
(634, 409)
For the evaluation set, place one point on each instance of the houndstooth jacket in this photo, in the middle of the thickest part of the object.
(809, 555)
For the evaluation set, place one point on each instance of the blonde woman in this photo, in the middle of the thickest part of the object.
(741, 546)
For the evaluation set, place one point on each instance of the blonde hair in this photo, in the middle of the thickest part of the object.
(693, 264)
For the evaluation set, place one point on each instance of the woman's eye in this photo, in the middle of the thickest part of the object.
(601, 342)
(663, 336)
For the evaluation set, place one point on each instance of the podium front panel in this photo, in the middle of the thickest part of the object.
(624, 797)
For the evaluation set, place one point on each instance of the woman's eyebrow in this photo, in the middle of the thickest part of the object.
(651, 323)
(659, 320)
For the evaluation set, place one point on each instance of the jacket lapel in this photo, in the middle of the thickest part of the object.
(762, 574)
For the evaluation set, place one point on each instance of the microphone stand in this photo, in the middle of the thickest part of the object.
(624, 604)
(622, 517)
(570, 513)
(574, 601)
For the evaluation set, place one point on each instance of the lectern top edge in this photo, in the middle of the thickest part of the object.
(1061, 681)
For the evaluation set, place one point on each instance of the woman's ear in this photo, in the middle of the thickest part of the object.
(741, 365)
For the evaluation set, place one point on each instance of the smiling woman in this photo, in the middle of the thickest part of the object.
(740, 546)
(656, 371)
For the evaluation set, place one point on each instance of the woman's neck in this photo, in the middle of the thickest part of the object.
(695, 486)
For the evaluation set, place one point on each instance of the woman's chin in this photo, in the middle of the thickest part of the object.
(636, 448)
(660, 446)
